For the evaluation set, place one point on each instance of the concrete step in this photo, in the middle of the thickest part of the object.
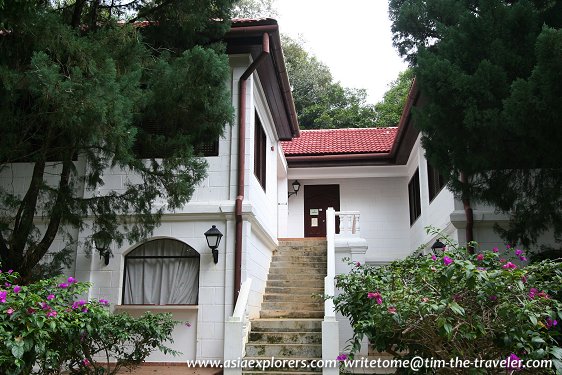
(295, 276)
(297, 270)
(287, 325)
(286, 297)
(288, 288)
(292, 314)
(297, 257)
(285, 338)
(276, 263)
(302, 252)
(283, 350)
(309, 283)
(293, 306)
(294, 366)
(302, 241)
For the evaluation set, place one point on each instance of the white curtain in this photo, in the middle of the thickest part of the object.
(161, 281)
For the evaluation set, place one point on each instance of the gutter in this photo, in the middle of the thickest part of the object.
(242, 154)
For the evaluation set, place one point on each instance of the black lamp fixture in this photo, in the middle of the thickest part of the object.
(102, 240)
(214, 236)
(296, 186)
(438, 245)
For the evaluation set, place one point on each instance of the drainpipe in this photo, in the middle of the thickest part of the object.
(241, 163)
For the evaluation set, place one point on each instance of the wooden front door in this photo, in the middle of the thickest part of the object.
(317, 198)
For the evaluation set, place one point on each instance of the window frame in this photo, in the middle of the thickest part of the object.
(414, 197)
(435, 182)
(260, 152)
(195, 254)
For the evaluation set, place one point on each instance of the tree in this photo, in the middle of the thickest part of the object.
(91, 86)
(389, 109)
(489, 71)
(255, 9)
(320, 102)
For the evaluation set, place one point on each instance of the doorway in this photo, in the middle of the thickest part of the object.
(317, 199)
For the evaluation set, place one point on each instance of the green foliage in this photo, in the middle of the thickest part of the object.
(320, 102)
(456, 305)
(254, 9)
(389, 110)
(83, 95)
(492, 108)
(45, 327)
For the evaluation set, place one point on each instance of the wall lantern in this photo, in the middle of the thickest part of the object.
(296, 186)
(214, 236)
(102, 240)
(438, 245)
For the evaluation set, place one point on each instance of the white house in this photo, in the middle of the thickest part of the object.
(377, 180)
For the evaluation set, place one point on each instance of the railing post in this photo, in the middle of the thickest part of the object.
(237, 328)
(330, 329)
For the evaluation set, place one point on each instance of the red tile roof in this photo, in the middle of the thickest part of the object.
(341, 141)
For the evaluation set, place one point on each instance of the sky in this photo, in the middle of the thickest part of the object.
(352, 37)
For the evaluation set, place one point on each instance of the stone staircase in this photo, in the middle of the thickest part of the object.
(290, 324)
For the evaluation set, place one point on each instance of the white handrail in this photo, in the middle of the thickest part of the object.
(329, 287)
(242, 302)
(349, 223)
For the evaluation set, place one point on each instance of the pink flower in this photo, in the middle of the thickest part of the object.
(104, 301)
(50, 297)
(433, 257)
(30, 310)
(493, 298)
(71, 280)
(188, 324)
(10, 311)
(391, 309)
(10, 272)
(425, 299)
(376, 296)
(524, 279)
(508, 247)
(518, 252)
(51, 314)
(44, 305)
(17, 289)
(502, 260)
(523, 259)
(513, 362)
(533, 292)
(7, 285)
(63, 285)
(86, 362)
(342, 357)
(509, 266)
(481, 268)
(78, 304)
(457, 297)
(358, 264)
(495, 250)
(551, 323)
(480, 257)
(447, 260)
(543, 295)
(3, 295)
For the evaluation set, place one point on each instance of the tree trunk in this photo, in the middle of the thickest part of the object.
(469, 231)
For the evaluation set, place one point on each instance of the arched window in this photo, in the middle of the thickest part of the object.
(161, 272)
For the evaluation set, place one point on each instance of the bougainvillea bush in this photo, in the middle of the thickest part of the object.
(46, 328)
(454, 304)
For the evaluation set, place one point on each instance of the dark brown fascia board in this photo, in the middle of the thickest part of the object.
(403, 144)
(244, 37)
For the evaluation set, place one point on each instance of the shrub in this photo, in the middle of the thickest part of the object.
(45, 327)
(455, 304)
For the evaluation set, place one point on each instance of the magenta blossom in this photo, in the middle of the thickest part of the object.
(104, 301)
(86, 362)
(508, 247)
(524, 279)
(78, 304)
(433, 257)
(51, 314)
(44, 306)
(518, 252)
(71, 280)
(391, 309)
(551, 323)
(50, 297)
(63, 285)
(509, 266)
(495, 250)
(480, 257)
(3, 295)
(493, 298)
(358, 264)
(10, 311)
(342, 357)
(376, 296)
(447, 260)
(17, 289)
(533, 292)
(523, 259)
(30, 310)
(10, 272)
(513, 362)
(7, 285)
(481, 268)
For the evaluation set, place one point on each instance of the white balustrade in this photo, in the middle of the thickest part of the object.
(237, 329)
(349, 223)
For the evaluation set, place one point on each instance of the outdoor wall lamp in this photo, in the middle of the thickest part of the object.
(102, 240)
(213, 237)
(438, 245)
(296, 186)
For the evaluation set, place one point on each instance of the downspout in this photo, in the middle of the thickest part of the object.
(241, 163)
